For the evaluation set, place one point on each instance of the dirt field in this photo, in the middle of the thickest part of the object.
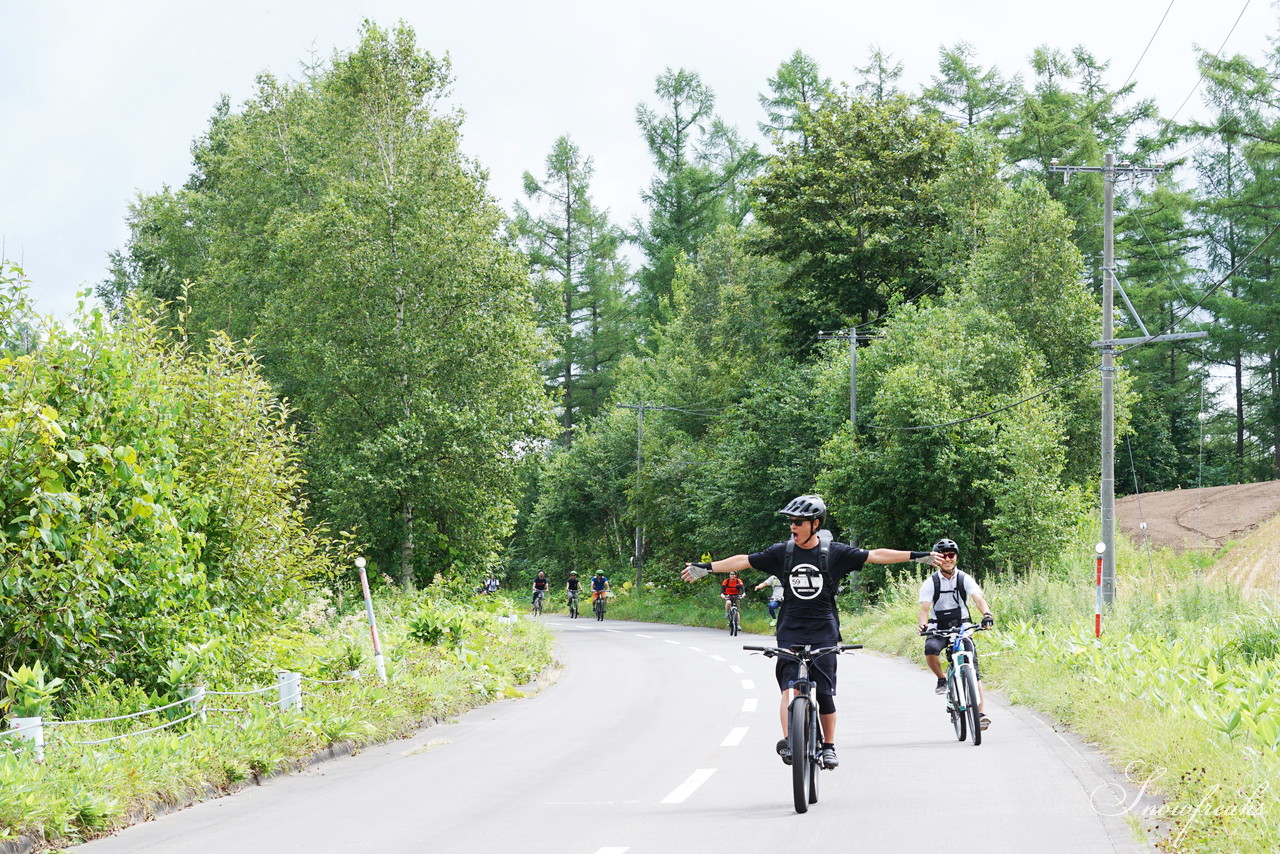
(1248, 514)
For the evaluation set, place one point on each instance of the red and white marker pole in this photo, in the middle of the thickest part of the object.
(1097, 607)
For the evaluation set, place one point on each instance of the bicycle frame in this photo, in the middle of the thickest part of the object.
(962, 682)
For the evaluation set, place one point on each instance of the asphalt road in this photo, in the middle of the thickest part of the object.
(660, 740)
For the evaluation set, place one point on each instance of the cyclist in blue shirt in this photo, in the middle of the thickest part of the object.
(808, 615)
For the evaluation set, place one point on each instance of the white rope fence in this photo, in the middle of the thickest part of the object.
(288, 688)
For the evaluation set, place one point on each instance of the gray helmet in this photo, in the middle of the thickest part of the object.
(946, 545)
(806, 507)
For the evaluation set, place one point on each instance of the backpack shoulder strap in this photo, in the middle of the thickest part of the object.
(937, 586)
(790, 557)
(824, 552)
(960, 591)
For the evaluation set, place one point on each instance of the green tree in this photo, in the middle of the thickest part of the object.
(879, 77)
(702, 168)
(854, 213)
(795, 93)
(573, 251)
(349, 236)
(965, 93)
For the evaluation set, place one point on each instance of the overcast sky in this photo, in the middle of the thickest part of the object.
(100, 99)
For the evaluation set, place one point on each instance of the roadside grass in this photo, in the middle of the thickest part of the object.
(80, 790)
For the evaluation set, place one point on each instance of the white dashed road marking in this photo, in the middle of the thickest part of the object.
(688, 787)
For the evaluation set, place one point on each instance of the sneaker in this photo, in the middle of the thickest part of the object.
(829, 758)
(941, 687)
(784, 750)
(983, 721)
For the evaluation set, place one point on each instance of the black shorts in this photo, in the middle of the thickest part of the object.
(822, 671)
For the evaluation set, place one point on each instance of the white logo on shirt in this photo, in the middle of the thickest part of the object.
(806, 581)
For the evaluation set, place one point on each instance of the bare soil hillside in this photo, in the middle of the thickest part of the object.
(1209, 518)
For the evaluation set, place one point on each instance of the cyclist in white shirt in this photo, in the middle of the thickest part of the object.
(944, 599)
(775, 597)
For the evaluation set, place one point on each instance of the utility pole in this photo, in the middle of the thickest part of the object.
(853, 337)
(1111, 172)
(638, 560)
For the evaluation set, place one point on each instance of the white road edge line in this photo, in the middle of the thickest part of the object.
(735, 736)
(688, 787)
(613, 850)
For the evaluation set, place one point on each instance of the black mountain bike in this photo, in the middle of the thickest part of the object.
(537, 601)
(735, 619)
(962, 680)
(573, 605)
(804, 728)
(598, 606)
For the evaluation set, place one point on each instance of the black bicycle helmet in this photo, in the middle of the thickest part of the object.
(806, 507)
(946, 545)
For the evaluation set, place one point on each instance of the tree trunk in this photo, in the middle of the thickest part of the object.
(406, 546)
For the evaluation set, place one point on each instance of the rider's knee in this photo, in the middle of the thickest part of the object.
(826, 704)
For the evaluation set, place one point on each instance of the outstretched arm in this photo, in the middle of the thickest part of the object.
(899, 556)
(694, 571)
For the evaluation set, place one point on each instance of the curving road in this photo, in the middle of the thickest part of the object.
(660, 739)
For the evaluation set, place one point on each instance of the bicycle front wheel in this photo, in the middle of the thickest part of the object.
(800, 740)
(971, 701)
(733, 622)
(955, 705)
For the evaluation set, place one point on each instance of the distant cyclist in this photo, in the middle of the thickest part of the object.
(731, 590)
(599, 586)
(572, 586)
(540, 585)
(775, 597)
(943, 604)
(811, 568)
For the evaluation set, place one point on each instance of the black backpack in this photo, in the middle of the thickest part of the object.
(950, 617)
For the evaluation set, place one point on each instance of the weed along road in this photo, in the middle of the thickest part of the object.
(660, 740)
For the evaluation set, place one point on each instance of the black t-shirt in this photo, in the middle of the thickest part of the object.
(809, 595)
(540, 584)
(573, 585)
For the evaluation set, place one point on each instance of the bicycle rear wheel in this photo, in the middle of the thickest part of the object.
(733, 621)
(800, 741)
(955, 705)
(971, 701)
(573, 608)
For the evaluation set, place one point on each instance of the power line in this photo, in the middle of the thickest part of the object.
(1148, 47)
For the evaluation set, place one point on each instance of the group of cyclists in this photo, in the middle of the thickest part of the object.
(805, 572)
(599, 590)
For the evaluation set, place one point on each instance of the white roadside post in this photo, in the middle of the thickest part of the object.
(30, 729)
(373, 624)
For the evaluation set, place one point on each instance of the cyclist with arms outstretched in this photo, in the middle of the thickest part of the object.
(811, 568)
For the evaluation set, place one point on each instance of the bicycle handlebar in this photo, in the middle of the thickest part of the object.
(952, 632)
(803, 652)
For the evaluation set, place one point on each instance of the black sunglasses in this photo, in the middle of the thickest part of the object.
(948, 554)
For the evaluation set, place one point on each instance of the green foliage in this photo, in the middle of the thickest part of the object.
(148, 500)
(852, 211)
(28, 693)
(342, 229)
